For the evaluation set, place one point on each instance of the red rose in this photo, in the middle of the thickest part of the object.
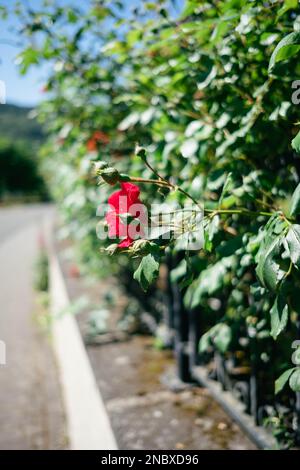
(125, 201)
(100, 136)
(91, 145)
(97, 136)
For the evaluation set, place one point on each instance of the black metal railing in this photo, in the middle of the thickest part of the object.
(250, 386)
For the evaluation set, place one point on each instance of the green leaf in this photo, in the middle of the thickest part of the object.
(295, 202)
(268, 269)
(147, 271)
(178, 272)
(219, 335)
(72, 16)
(27, 58)
(296, 356)
(130, 121)
(189, 148)
(204, 342)
(296, 143)
(210, 230)
(288, 5)
(282, 380)
(226, 188)
(293, 241)
(211, 280)
(220, 31)
(279, 316)
(286, 48)
(222, 337)
(294, 381)
(230, 247)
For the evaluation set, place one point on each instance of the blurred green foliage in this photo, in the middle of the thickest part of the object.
(19, 174)
(19, 124)
(41, 272)
(20, 139)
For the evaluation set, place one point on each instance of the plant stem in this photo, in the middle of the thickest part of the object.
(289, 270)
(154, 171)
(210, 212)
(182, 191)
(161, 179)
(241, 211)
(150, 181)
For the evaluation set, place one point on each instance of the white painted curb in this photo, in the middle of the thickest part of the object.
(88, 423)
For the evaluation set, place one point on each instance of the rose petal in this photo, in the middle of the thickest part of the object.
(125, 243)
(113, 199)
(132, 191)
(125, 201)
(116, 227)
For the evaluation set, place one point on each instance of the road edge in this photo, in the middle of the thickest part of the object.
(88, 423)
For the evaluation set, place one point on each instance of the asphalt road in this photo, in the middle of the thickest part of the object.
(31, 410)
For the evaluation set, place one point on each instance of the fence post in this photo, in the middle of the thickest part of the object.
(253, 377)
(170, 311)
(180, 320)
(297, 404)
(194, 337)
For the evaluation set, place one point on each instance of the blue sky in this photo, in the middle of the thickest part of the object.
(25, 90)
(21, 90)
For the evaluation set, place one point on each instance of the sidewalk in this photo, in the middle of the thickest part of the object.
(31, 410)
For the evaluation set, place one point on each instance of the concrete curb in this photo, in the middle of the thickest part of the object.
(88, 423)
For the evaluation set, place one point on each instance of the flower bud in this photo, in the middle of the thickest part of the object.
(140, 245)
(110, 175)
(140, 151)
(99, 167)
(111, 249)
